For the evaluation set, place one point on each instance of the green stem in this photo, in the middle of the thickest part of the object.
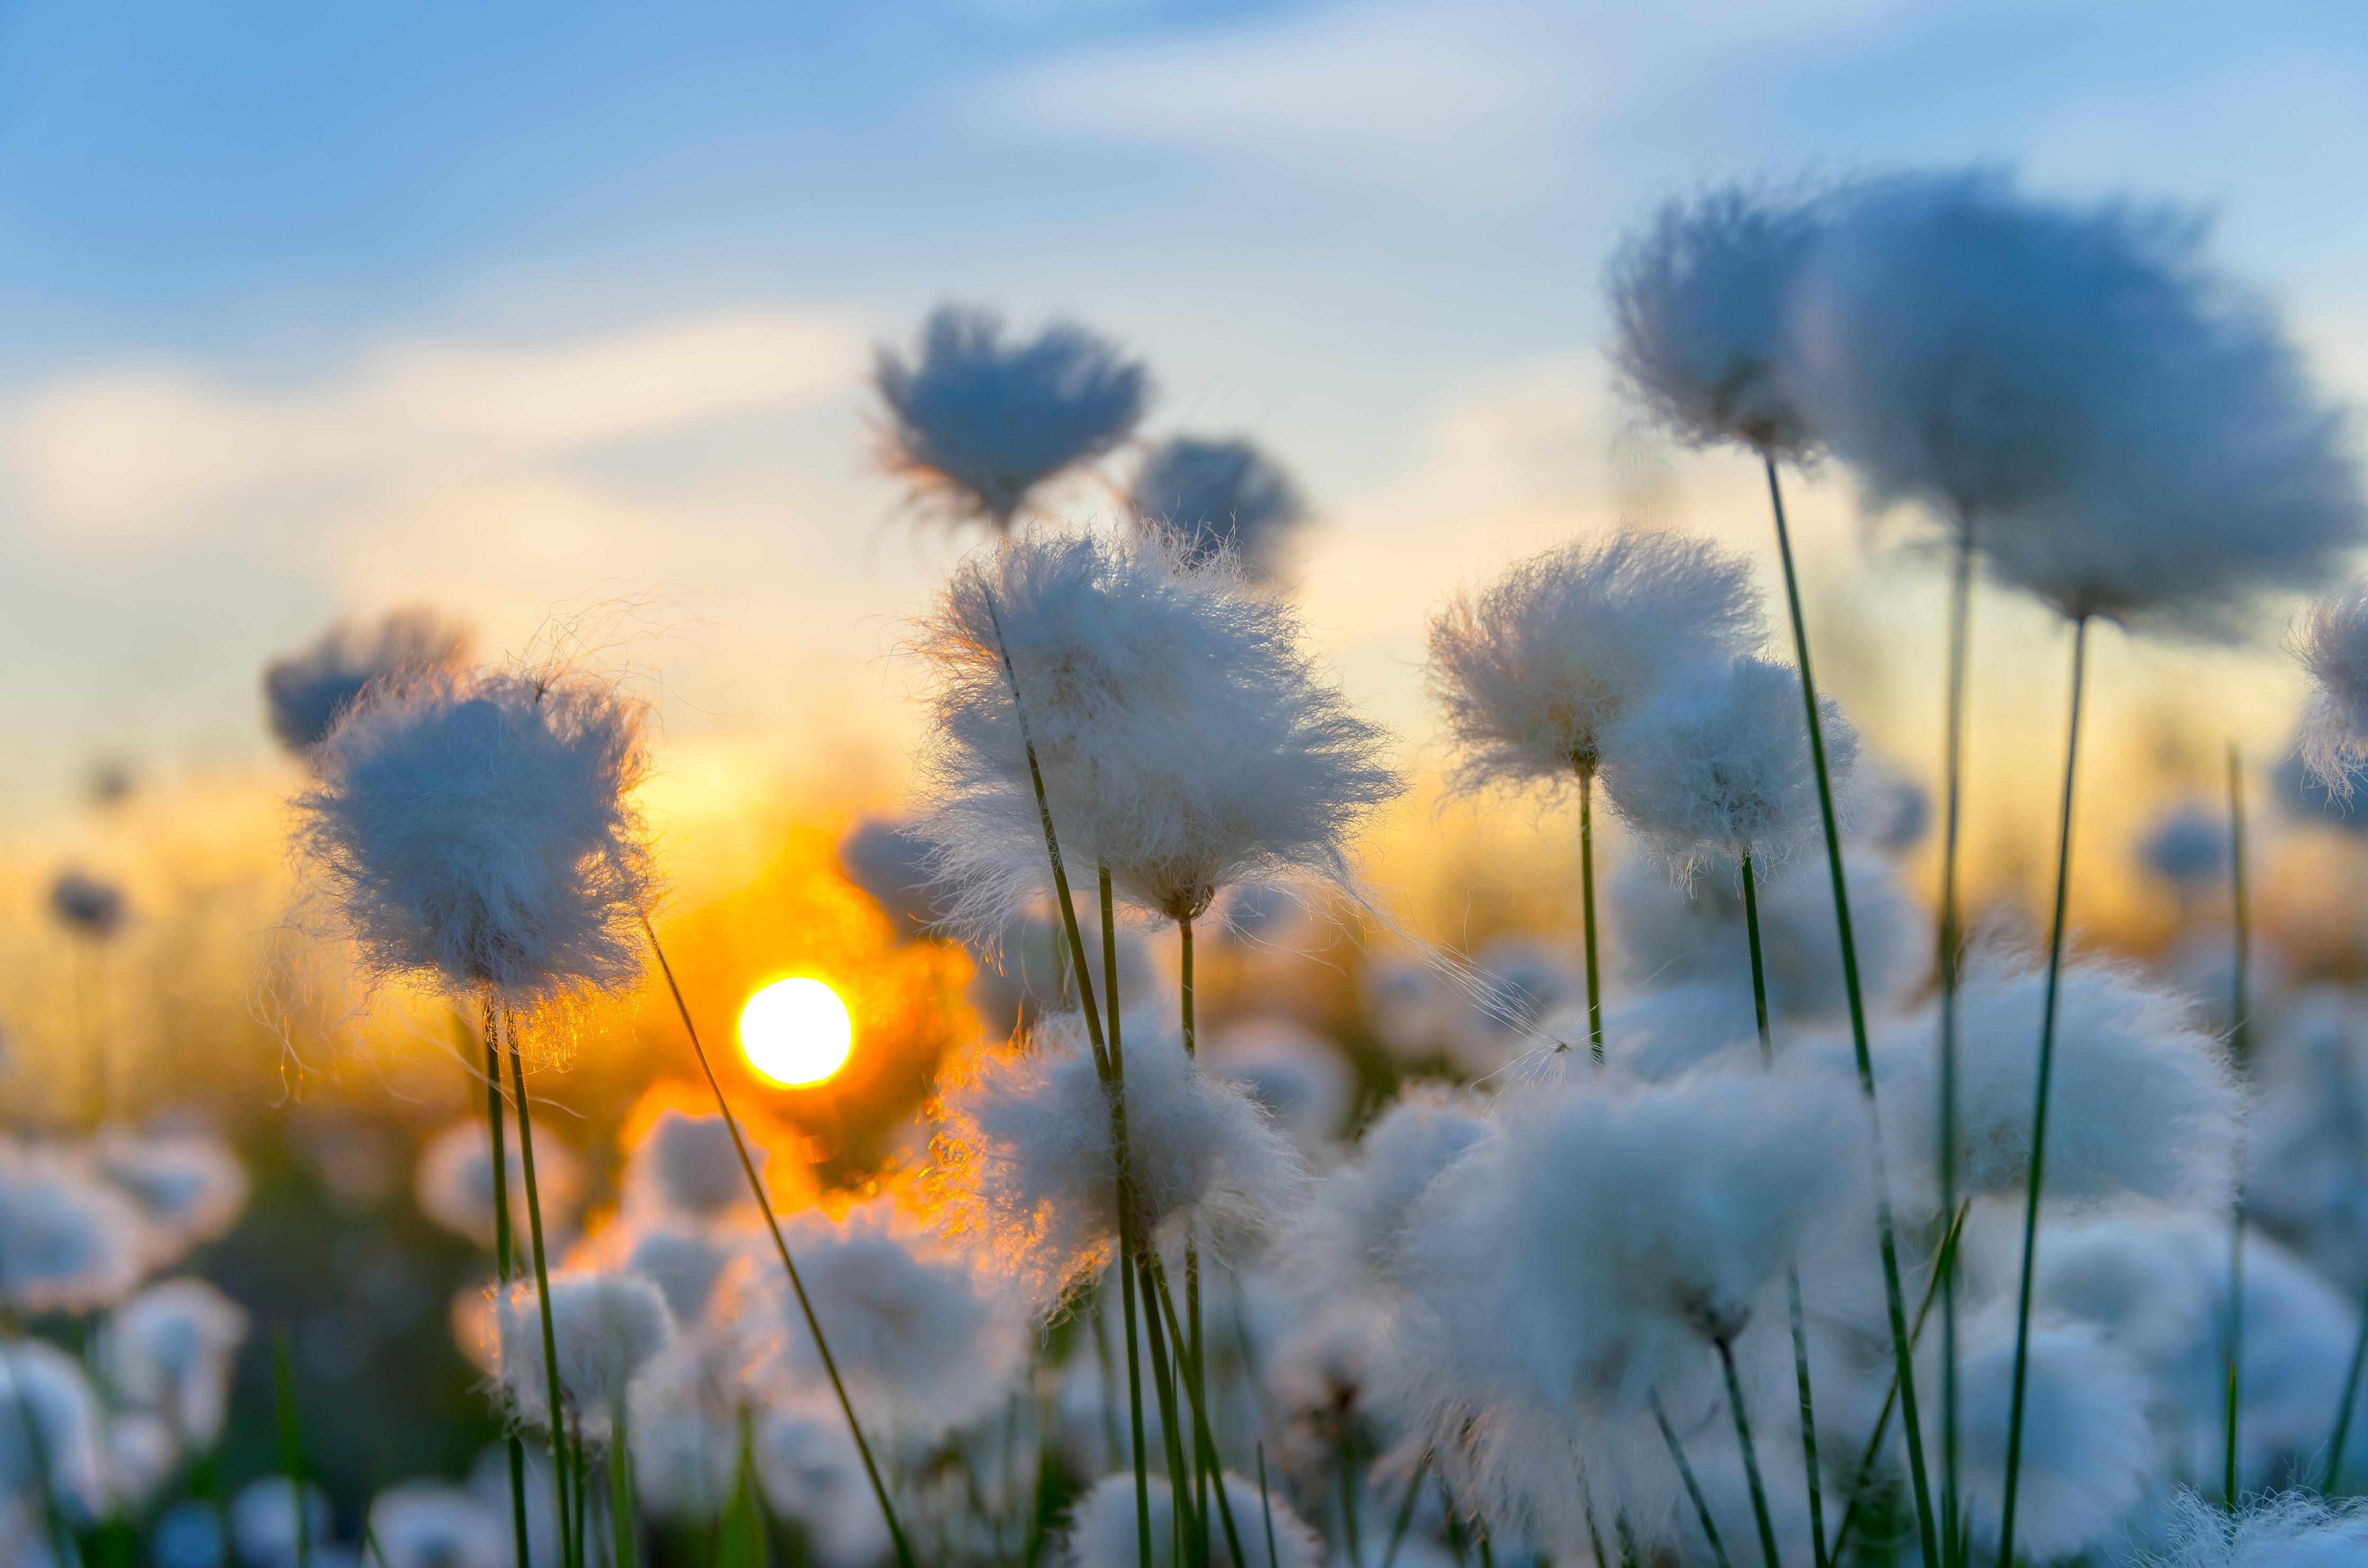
(291, 1441)
(1693, 1487)
(622, 1510)
(1266, 1510)
(1961, 593)
(1187, 998)
(1204, 1440)
(1347, 1468)
(1130, 1233)
(1750, 1454)
(903, 1547)
(2034, 1179)
(2241, 1056)
(2342, 1432)
(1171, 1430)
(570, 1550)
(1886, 1232)
(505, 1251)
(1585, 1512)
(1414, 1489)
(1587, 908)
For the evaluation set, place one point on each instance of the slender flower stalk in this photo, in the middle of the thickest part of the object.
(1886, 1234)
(569, 1551)
(2034, 1181)
(1406, 1515)
(1202, 1468)
(1693, 1487)
(1864, 1473)
(1734, 1403)
(1587, 907)
(1952, 769)
(2240, 1053)
(505, 1252)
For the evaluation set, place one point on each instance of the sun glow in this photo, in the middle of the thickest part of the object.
(797, 1032)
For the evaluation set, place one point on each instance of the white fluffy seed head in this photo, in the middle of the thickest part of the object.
(2289, 1529)
(1187, 740)
(925, 1340)
(306, 693)
(1701, 300)
(2187, 846)
(2330, 640)
(685, 1431)
(1306, 1086)
(1345, 1243)
(425, 1523)
(605, 1326)
(1716, 765)
(1026, 1162)
(2142, 1102)
(1535, 669)
(168, 1349)
(454, 1181)
(2123, 432)
(1104, 1531)
(68, 1241)
(477, 830)
(55, 1431)
(190, 1186)
(976, 423)
(1219, 495)
(687, 1166)
(810, 1472)
(1607, 1235)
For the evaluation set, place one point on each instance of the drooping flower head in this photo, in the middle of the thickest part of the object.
(1701, 299)
(977, 422)
(1536, 668)
(1716, 765)
(2123, 433)
(88, 907)
(1026, 1160)
(477, 829)
(1104, 1531)
(607, 1326)
(1188, 741)
(168, 1350)
(1219, 494)
(308, 692)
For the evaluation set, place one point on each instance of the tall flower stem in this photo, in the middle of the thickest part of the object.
(1886, 1232)
(1194, 1361)
(505, 1247)
(1865, 1471)
(1793, 1270)
(1953, 773)
(569, 1551)
(1693, 1487)
(621, 1511)
(1204, 1440)
(1413, 1490)
(2034, 1179)
(1750, 1454)
(2241, 1054)
(1587, 907)
(789, 1266)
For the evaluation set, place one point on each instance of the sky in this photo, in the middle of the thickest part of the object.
(516, 310)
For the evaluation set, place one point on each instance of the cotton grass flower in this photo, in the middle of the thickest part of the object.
(68, 1242)
(1715, 768)
(686, 1166)
(1345, 1243)
(476, 829)
(1305, 1084)
(454, 1182)
(1026, 1158)
(607, 1326)
(1187, 741)
(924, 1339)
(2123, 432)
(684, 1429)
(2143, 1103)
(977, 422)
(2288, 1529)
(189, 1186)
(1219, 495)
(2187, 846)
(90, 906)
(425, 1523)
(169, 1350)
(1701, 300)
(1536, 668)
(264, 1521)
(2329, 638)
(810, 1472)
(1104, 1531)
(306, 693)
(54, 1430)
(687, 1262)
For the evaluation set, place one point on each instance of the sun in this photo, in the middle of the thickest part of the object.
(796, 1032)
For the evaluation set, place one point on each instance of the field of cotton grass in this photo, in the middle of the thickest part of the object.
(1766, 1205)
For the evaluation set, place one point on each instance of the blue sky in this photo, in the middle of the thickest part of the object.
(314, 307)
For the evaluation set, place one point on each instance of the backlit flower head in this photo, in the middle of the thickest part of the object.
(454, 1182)
(1219, 495)
(887, 860)
(978, 422)
(476, 829)
(1535, 669)
(306, 693)
(607, 1326)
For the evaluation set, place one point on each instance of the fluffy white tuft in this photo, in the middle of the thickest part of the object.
(1188, 741)
(684, 1429)
(2187, 846)
(1595, 1247)
(687, 1165)
(425, 1523)
(1104, 1531)
(1026, 1157)
(607, 1326)
(1716, 765)
(2330, 640)
(2142, 1102)
(2087, 1458)
(1345, 1243)
(1536, 668)
(810, 1472)
(476, 829)
(68, 1242)
(54, 1430)
(454, 1182)
(1219, 495)
(924, 1338)
(977, 422)
(1306, 1086)
(306, 693)
(189, 1186)
(2123, 432)
(88, 907)
(1702, 301)
(169, 1350)
(687, 1262)
(2289, 1530)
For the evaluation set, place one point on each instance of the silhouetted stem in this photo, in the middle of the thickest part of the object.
(1952, 770)
(1587, 908)
(505, 1252)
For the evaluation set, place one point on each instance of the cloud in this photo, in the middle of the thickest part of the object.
(145, 450)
